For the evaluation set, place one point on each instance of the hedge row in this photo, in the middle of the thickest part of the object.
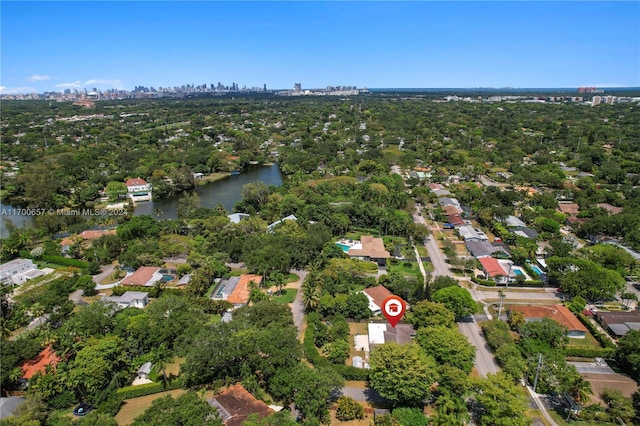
(480, 281)
(58, 260)
(603, 339)
(590, 352)
(129, 392)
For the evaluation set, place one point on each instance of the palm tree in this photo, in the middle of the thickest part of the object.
(159, 357)
(310, 295)
(579, 388)
(451, 410)
(5, 331)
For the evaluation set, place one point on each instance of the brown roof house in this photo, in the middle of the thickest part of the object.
(376, 296)
(558, 313)
(240, 294)
(144, 276)
(370, 248)
(235, 404)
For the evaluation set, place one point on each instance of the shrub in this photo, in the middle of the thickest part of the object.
(111, 405)
(63, 400)
(129, 392)
(349, 409)
(590, 352)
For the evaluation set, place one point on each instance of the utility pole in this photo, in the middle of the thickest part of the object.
(535, 381)
(501, 294)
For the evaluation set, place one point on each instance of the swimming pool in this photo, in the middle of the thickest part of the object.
(517, 271)
(344, 247)
(536, 269)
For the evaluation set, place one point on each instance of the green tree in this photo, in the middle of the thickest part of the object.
(447, 346)
(428, 314)
(618, 406)
(579, 277)
(628, 353)
(409, 416)
(546, 331)
(402, 374)
(188, 410)
(501, 402)
(457, 300)
(349, 409)
(115, 190)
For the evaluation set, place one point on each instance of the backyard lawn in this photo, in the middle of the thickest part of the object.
(287, 297)
(133, 408)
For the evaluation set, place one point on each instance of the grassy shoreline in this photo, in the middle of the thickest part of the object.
(213, 177)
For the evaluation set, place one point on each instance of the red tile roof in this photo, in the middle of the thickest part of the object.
(492, 267)
(611, 209)
(39, 363)
(135, 182)
(571, 209)
(96, 233)
(240, 294)
(456, 219)
(141, 276)
(378, 294)
(238, 404)
(558, 313)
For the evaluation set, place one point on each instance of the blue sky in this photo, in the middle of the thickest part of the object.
(58, 45)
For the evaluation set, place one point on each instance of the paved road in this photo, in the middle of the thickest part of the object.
(440, 266)
(297, 308)
(484, 363)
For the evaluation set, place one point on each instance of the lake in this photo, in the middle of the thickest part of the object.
(225, 191)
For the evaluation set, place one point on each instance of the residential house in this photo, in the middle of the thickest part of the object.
(237, 217)
(480, 249)
(558, 313)
(493, 269)
(612, 210)
(376, 296)
(468, 233)
(18, 271)
(447, 201)
(381, 333)
(145, 276)
(39, 364)
(449, 209)
(138, 190)
(130, 299)
(278, 222)
(514, 222)
(144, 371)
(526, 232)
(87, 235)
(619, 323)
(238, 295)
(370, 249)
(236, 404)
(456, 220)
(570, 210)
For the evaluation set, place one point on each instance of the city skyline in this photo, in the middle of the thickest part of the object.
(53, 46)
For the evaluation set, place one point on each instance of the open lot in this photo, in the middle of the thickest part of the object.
(133, 408)
(599, 381)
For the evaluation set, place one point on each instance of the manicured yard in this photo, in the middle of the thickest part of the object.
(133, 408)
(287, 297)
(588, 342)
(403, 268)
(174, 367)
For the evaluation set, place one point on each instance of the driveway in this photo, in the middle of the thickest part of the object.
(364, 395)
(297, 308)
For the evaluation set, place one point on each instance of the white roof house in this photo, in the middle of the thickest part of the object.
(19, 271)
(130, 299)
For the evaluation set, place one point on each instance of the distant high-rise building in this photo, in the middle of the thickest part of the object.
(265, 87)
(297, 87)
(609, 99)
(596, 101)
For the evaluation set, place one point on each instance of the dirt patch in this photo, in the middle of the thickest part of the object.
(133, 408)
(174, 367)
(613, 381)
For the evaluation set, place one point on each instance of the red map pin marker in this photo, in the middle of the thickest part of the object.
(393, 309)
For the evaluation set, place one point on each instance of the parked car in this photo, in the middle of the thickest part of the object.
(82, 409)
